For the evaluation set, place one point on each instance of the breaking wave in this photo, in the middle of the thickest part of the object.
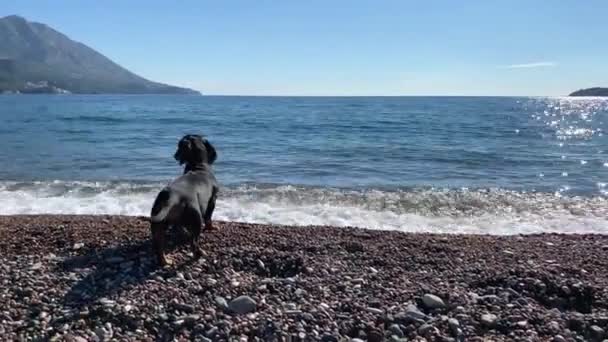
(489, 211)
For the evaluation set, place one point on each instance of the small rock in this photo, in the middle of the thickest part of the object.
(77, 246)
(596, 333)
(187, 308)
(426, 329)
(291, 306)
(328, 338)
(490, 299)
(522, 324)
(559, 338)
(553, 327)
(107, 302)
(242, 305)
(36, 266)
(356, 340)
(489, 320)
(221, 303)
(396, 330)
(308, 317)
(411, 314)
(74, 338)
(104, 334)
(454, 325)
(433, 302)
(212, 332)
(375, 311)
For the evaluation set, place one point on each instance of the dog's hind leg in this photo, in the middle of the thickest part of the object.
(194, 223)
(158, 242)
(209, 211)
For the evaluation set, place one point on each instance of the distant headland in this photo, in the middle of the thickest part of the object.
(34, 58)
(596, 91)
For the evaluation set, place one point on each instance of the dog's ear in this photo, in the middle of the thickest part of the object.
(184, 150)
(211, 154)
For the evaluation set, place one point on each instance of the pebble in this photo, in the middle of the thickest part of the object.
(596, 332)
(291, 306)
(433, 302)
(242, 305)
(426, 329)
(559, 338)
(78, 246)
(375, 311)
(553, 326)
(221, 303)
(187, 308)
(292, 312)
(411, 314)
(328, 338)
(396, 330)
(454, 325)
(489, 320)
(74, 338)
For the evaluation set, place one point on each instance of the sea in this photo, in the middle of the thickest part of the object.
(476, 165)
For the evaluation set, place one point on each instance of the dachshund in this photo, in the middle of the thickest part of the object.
(189, 200)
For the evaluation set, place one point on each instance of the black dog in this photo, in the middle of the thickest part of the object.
(189, 200)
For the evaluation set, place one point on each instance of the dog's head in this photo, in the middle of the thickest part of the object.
(193, 149)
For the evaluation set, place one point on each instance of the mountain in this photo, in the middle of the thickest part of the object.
(36, 58)
(597, 91)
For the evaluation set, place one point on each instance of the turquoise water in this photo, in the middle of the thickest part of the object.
(412, 163)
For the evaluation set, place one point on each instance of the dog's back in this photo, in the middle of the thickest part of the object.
(194, 187)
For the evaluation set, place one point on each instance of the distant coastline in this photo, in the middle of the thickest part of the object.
(36, 59)
(595, 91)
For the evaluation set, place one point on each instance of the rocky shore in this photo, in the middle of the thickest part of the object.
(92, 278)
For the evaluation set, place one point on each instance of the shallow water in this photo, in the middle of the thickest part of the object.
(447, 164)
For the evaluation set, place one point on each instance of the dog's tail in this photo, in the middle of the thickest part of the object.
(161, 206)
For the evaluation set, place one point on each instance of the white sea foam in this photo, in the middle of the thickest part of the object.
(497, 212)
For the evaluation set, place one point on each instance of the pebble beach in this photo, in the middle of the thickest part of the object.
(92, 278)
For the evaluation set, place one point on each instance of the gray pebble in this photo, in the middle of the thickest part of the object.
(375, 311)
(242, 305)
(411, 314)
(426, 329)
(454, 325)
(559, 338)
(396, 330)
(433, 302)
(596, 332)
(221, 303)
(489, 320)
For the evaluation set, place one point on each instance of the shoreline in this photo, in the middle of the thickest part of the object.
(74, 277)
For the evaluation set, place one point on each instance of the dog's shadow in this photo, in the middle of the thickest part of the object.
(115, 269)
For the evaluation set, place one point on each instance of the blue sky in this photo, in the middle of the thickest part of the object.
(477, 47)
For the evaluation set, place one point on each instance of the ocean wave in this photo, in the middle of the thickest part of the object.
(488, 211)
